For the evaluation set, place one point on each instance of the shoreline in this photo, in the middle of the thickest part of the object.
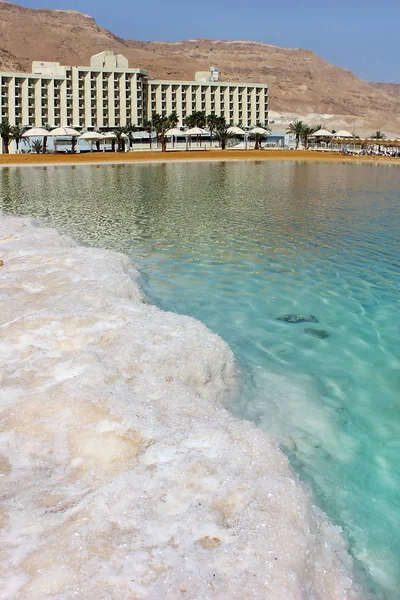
(146, 486)
(214, 155)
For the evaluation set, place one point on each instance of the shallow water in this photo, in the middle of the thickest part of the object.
(238, 244)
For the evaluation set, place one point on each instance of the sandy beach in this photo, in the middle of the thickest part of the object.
(195, 155)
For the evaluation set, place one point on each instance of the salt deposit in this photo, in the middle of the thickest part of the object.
(123, 475)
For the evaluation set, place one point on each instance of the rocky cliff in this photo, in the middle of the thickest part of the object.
(301, 82)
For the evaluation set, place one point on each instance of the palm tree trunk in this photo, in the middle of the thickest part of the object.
(5, 145)
(163, 143)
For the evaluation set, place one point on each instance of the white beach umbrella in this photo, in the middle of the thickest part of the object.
(322, 133)
(35, 132)
(92, 136)
(342, 133)
(109, 135)
(258, 130)
(174, 131)
(236, 130)
(195, 131)
(64, 132)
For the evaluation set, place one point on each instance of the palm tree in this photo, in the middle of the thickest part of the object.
(378, 135)
(37, 146)
(296, 127)
(212, 122)
(173, 119)
(44, 144)
(128, 130)
(257, 137)
(222, 134)
(119, 133)
(161, 125)
(6, 135)
(16, 135)
(307, 131)
(196, 119)
(148, 126)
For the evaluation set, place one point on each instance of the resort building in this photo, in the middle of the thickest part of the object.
(242, 103)
(109, 94)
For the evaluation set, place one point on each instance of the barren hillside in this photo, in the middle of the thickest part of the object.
(300, 81)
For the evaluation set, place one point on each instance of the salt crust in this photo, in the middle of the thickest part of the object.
(123, 476)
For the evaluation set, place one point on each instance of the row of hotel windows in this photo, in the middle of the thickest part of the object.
(210, 98)
(43, 85)
(245, 105)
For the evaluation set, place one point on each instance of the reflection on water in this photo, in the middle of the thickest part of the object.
(238, 244)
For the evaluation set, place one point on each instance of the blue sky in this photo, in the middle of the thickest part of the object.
(361, 35)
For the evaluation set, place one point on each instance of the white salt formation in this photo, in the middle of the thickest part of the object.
(123, 476)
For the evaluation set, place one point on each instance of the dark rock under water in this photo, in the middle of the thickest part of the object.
(321, 334)
(298, 318)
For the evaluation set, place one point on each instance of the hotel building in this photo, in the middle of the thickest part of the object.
(109, 94)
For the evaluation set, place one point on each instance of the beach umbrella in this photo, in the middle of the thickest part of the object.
(35, 132)
(258, 130)
(194, 131)
(197, 131)
(342, 133)
(322, 133)
(64, 132)
(92, 136)
(109, 135)
(174, 131)
(236, 130)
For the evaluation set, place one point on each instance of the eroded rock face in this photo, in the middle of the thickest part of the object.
(123, 476)
(300, 81)
(298, 318)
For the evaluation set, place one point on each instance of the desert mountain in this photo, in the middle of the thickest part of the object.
(301, 83)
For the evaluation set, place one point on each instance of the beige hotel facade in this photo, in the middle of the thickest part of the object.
(109, 94)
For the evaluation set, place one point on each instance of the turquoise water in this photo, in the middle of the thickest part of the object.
(238, 244)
